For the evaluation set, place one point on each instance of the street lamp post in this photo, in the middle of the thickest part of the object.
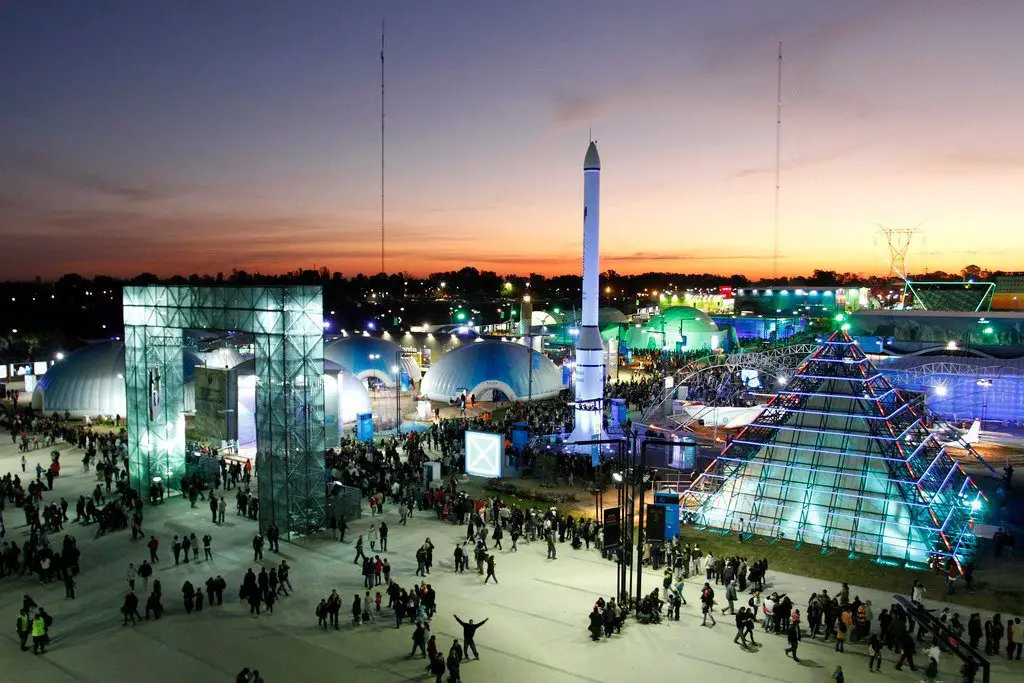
(397, 369)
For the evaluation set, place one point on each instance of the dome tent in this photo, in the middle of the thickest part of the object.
(680, 328)
(368, 357)
(90, 381)
(484, 366)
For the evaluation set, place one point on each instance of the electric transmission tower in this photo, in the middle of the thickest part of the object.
(899, 240)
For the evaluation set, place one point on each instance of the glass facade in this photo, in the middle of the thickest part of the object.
(840, 459)
(287, 328)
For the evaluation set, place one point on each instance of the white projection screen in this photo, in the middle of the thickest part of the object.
(485, 454)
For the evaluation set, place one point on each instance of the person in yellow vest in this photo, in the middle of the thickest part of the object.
(38, 635)
(24, 627)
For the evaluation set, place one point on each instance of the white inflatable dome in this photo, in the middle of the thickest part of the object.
(90, 382)
(483, 367)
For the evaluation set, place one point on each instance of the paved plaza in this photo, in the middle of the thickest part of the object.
(536, 630)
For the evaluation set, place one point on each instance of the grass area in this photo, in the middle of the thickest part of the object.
(831, 568)
(836, 567)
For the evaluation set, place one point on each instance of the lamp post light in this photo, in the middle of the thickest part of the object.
(397, 369)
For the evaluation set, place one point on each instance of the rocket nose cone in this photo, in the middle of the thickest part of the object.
(592, 160)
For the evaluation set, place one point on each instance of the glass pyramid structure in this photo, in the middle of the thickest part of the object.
(841, 459)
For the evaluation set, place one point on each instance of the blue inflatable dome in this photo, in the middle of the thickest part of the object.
(485, 366)
(368, 357)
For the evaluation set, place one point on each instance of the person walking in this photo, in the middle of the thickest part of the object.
(130, 576)
(359, 551)
(257, 547)
(793, 636)
(707, 600)
(875, 653)
(907, 649)
(207, 547)
(222, 506)
(741, 631)
(730, 596)
(153, 545)
(372, 535)
(383, 537)
(131, 608)
(468, 635)
(419, 640)
(490, 569)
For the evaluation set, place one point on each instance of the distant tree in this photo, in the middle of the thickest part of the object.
(972, 271)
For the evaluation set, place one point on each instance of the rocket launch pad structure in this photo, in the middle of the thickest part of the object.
(590, 372)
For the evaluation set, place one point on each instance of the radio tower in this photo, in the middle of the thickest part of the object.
(778, 163)
(382, 146)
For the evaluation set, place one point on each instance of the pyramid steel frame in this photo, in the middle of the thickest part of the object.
(840, 459)
(287, 327)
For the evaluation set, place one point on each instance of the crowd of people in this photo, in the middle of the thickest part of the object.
(390, 471)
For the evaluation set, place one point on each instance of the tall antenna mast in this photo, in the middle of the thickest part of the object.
(382, 146)
(778, 164)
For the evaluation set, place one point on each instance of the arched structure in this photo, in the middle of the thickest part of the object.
(286, 324)
(371, 357)
(482, 367)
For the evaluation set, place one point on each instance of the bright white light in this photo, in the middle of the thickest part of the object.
(782, 379)
(485, 454)
(327, 324)
(617, 476)
(60, 356)
(394, 368)
(573, 331)
(975, 504)
(463, 330)
(952, 346)
(941, 390)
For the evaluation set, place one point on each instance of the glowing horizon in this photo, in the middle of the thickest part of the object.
(175, 140)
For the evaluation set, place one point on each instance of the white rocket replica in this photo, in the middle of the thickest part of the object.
(589, 373)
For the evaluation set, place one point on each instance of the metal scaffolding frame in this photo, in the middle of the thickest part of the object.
(776, 361)
(287, 327)
(841, 459)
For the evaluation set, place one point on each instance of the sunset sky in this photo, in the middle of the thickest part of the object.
(179, 137)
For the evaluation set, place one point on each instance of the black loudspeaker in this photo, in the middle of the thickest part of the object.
(654, 529)
(611, 529)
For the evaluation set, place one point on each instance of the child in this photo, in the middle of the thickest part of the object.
(840, 636)
(837, 675)
(377, 601)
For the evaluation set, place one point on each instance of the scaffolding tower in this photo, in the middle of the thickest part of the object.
(842, 460)
(287, 326)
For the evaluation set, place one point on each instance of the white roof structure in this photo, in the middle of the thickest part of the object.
(484, 366)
